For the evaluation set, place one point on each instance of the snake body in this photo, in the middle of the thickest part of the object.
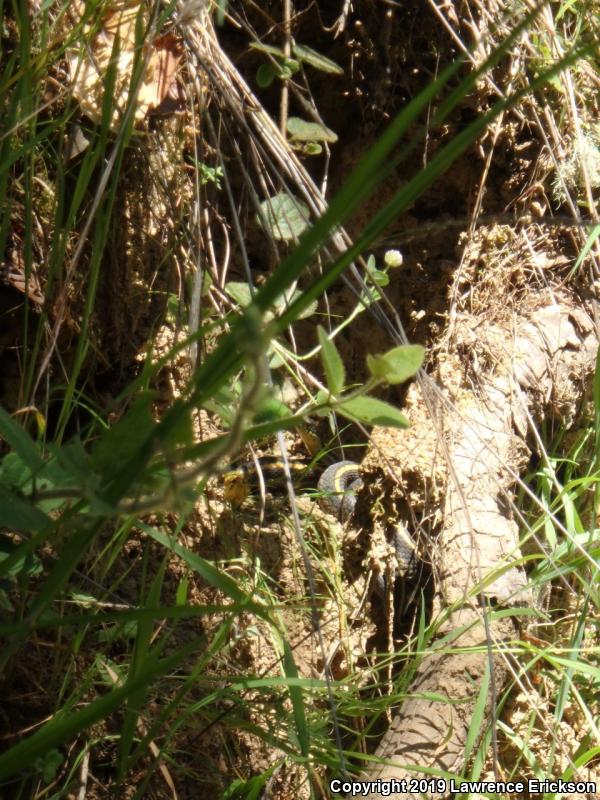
(339, 485)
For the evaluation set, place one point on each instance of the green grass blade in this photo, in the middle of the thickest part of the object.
(141, 654)
(213, 576)
(67, 724)
(297, 698)
(100, 619)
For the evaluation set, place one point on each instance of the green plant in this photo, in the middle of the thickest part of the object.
(79, 498)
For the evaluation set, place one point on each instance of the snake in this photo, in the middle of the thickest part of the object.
(339, 485)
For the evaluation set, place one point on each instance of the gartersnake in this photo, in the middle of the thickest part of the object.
(338, 487)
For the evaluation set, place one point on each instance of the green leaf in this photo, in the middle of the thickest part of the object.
(208, 174)
(221, 9)
(288, 68)
(266, 74)
(283, 69)
(333, 366)
(224, 403)
(371, 411)
(323, 401)
(290, 296)
(312, 149)
(369, 296)
(398, 364)
(73, 461)
(181, 594)
(240, 292)
(48, 764)
(26, 564)
(478, 718)
(126, 632)
(251, 789)
(316, 60)
(122, 441)
(287, 297)
(14, 472)
(275, 359)
(302, 131)
(20, 441)
(270, 49)
(271, 409)
(379, 277)
(16, 512)
(52, 475)
(284, 217)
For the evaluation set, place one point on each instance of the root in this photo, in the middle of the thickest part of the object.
(541, 363)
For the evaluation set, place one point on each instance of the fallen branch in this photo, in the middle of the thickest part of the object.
(550, 355)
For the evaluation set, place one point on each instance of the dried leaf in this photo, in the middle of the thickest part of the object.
(13, 274)
(89, 70)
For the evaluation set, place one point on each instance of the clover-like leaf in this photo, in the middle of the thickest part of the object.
(49, 764)
(14, 472)
(377, 276)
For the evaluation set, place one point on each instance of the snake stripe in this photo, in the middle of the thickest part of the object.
(339, 484)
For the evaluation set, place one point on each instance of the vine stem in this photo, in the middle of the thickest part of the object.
(287, 50)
